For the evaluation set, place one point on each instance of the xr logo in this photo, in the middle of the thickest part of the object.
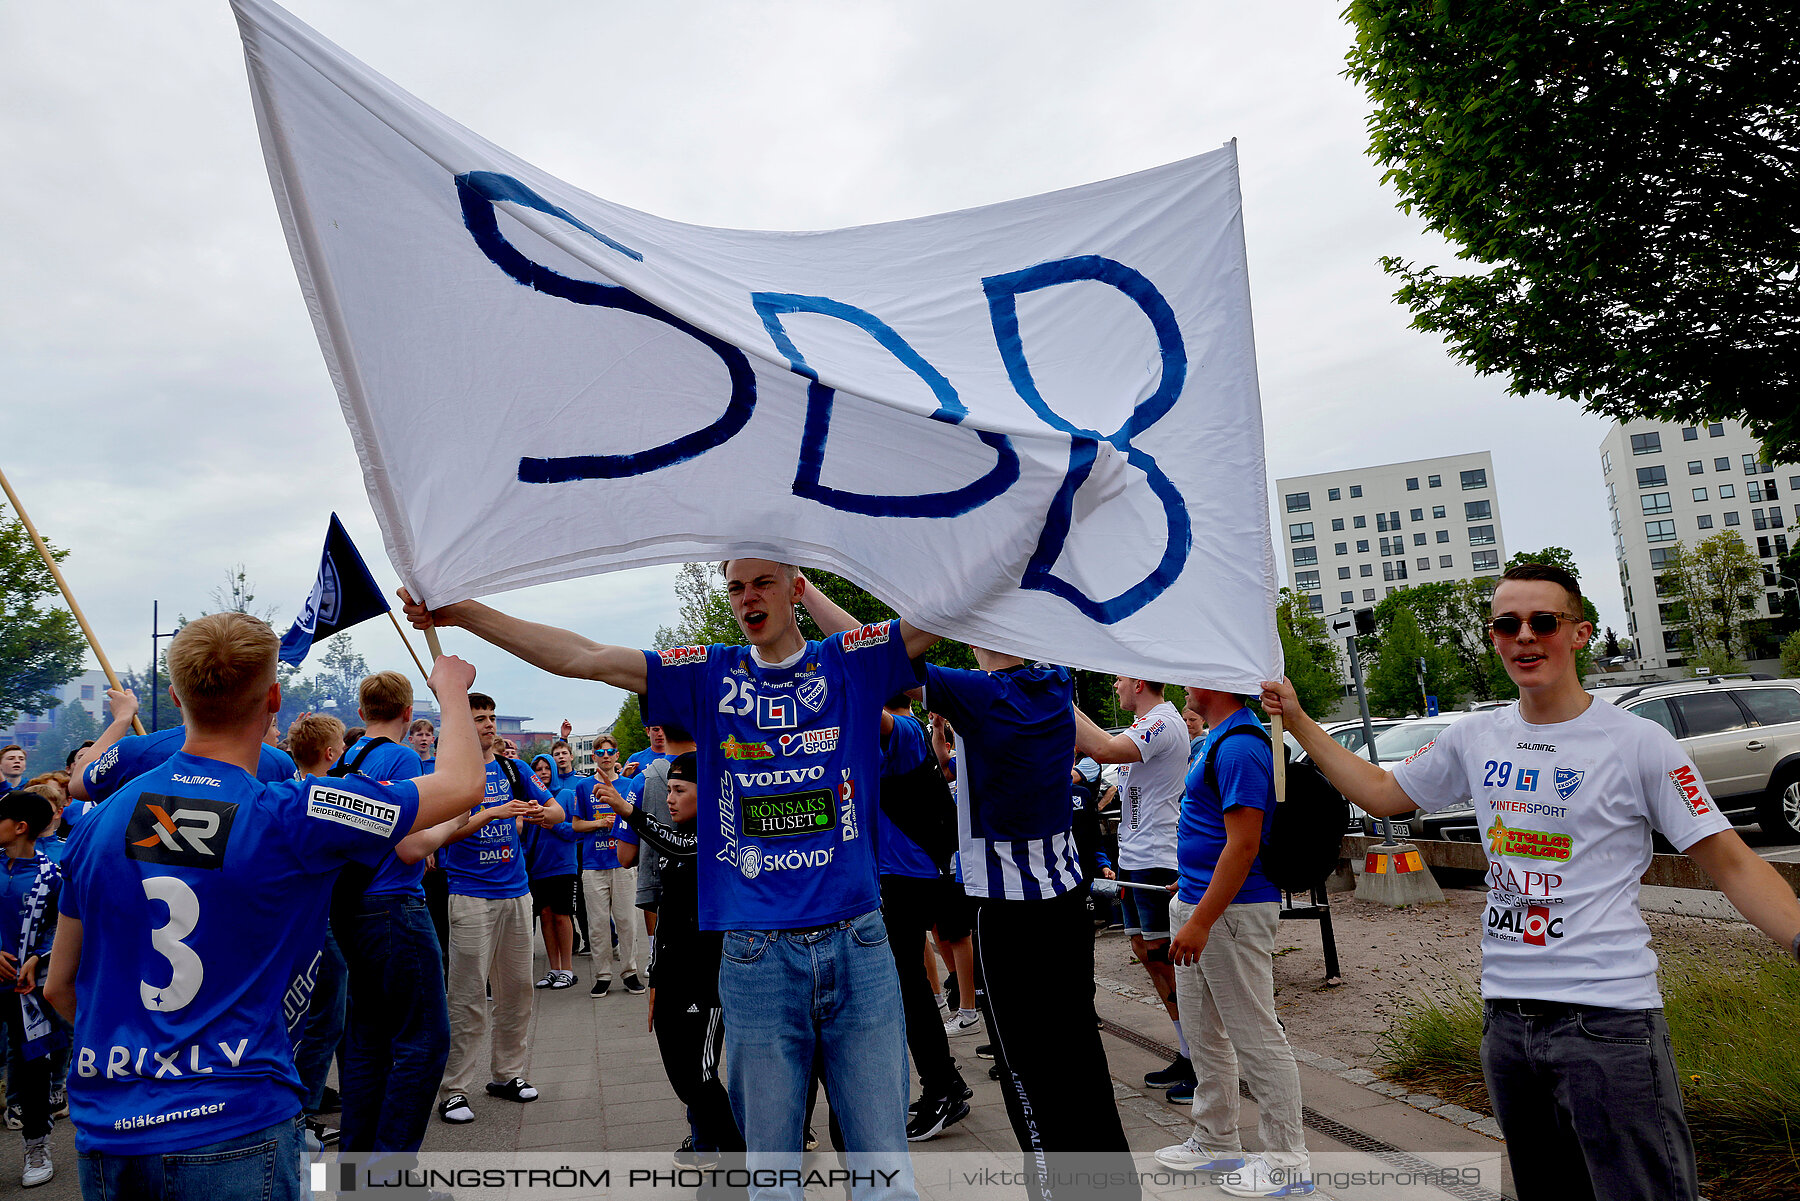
(204, 824)
(180, 831)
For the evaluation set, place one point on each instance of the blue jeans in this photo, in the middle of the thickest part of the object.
(263, 1165)
(324, 1029)
(399, 1027)
(830, 993)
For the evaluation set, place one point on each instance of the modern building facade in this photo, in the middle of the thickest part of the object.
(87, 690)
(1350, 538)
(1669, 483)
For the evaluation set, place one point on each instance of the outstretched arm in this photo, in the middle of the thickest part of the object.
(1751, 884)
(123, 704)
(1364, 784)
(1102, 747)
(557, 651)
(834, 619)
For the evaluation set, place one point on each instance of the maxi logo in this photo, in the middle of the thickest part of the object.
(1526, 780)
(788, 814)
(1688, 788)
(479, 193)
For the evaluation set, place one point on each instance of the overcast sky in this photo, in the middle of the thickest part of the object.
(168, 414)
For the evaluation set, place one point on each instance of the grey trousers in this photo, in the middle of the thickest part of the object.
(1227, 1006)
(1589, 1102)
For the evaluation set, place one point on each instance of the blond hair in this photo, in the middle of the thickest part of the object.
(384, 696)
(310, 737)
(220, 665)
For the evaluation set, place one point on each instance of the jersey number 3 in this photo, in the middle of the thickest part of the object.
(185, 968)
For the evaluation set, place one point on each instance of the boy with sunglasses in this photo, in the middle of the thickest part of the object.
(1574, 1047)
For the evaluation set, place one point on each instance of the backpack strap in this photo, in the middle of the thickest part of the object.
(1211, 770)
(346, 766)
(514, 781)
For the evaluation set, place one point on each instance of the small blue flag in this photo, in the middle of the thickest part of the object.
(344, 594)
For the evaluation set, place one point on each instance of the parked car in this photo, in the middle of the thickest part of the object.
(1743, 735)
(1395, 744)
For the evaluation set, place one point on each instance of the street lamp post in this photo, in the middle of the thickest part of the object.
(156, 637)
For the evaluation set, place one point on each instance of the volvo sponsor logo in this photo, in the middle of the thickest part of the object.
(775, 777)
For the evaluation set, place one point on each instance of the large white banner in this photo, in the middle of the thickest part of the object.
(1032, 426)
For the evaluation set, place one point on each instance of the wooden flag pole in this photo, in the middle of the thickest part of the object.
(56, 573)
(1280, 758)
(431, 643)
(409, 646)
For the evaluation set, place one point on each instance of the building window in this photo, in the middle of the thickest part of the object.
(1368, 594)
(1759, 519)
(1359, 522)
(1721, 464)
(1481, 535)
(1659, 559)
(1794, 483)
(1700, 494)
(1417, 515)
(1478, 510)
(1365, 571)
(1346, 598)
(1386, 548)
(1769, 490)
(1443, 535)
(1355, 491)
(1750, 465)
(87, 692)
(1716, 430)
(1316, 603)
(1301, 532)
(1381, 522)
(1704, 521)
(1434, 481)
(1400, 570)
(1655, 502)
(1341, 548)
(1474, 479)
(1445, 560)
(1387, 571)
(1299, 502)
(1334, 494)
(1412, 484)
(1337, 525)
(1781, 544)
(1731, 518)
(1689, 433)
(1727, 491)
(1362, 546)
(1486, 560)
(1343, 573)
(1305, 556)
(1652, 477)
(1696, 467)
(1307, 581)
(1646, 444)
(1419, 538)
(1762, 548)
(1753, 491)
(1659, 531)
(1775, 521)
(1424, 564)
(1437, 512)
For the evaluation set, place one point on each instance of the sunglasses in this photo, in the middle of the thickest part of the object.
(607, 750)
(1541, 623)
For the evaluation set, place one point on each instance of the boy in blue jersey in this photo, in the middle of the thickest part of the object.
(789, 740)
(189, 933)
(28, 896)
(1225, 915)
(490, 928)
(552, 857)
(658, 749)
(12, 767)
(608, 872)
(399, 1031)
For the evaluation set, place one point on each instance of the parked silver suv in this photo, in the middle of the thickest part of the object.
(1743, 735)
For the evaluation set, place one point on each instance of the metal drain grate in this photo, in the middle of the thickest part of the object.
(1331, 1128)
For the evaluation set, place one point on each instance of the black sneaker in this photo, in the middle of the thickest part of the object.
(633, 985)
(951, 992)
(455, 1110)
(325, 1135)
(600, 987)
(512, 1090)
(330, 1101)
(994, 1072)
(1179, 1072)
(932, 1117)
(984, 1051)
(685, 1156)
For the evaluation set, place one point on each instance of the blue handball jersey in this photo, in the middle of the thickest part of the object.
(490, 863)
(388, 762)
(789, 766)
(898, 855)
(600, 850)
(132, 756)
(202, 894)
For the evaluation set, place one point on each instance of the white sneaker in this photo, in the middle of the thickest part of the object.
(943, 1005)
(38, 1168)
(1259, 1178)
(1192, 1156)
(961, 1023)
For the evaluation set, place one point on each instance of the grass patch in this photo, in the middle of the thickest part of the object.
(1735, 1050)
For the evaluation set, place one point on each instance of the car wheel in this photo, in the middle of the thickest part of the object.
(1779, 815)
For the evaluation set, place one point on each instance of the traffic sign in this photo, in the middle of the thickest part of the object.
(1342, 623)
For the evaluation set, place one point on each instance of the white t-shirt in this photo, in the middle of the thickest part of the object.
(1150, 791)
(1566, 811)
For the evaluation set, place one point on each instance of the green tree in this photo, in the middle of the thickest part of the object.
(1713, 589)
(1790, 655)
(41, 646)
(1453, 614)
(1306, 649)
(339, 674)
(1622, 179)
(628, 729)
(70, 726)
(703, 612)
(1393, 681)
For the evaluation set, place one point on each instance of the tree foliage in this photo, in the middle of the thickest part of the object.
(1624, 180)
(1307, 651)
(628, 728)
(1790, 656)
(41, 646)
(1712, 591)
(69, 728)
(1393, 681)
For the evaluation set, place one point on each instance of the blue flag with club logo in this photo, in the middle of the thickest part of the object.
(344, 594)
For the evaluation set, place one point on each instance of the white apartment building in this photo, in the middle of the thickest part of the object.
(1667, 483)
(87, 690)
(1349, 538)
